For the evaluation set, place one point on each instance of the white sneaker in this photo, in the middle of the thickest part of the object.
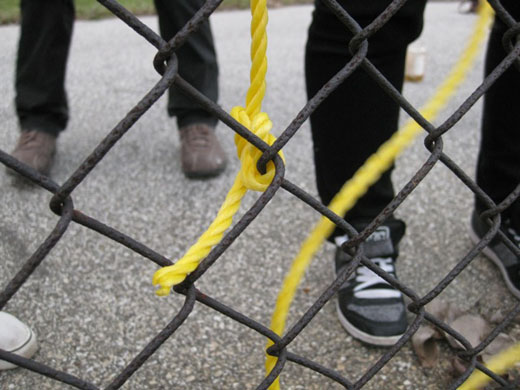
(15, 337)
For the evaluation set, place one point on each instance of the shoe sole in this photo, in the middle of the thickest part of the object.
(494, 258)
(19, 179)
(15, 175)
(378, 341)
(204, 174)
(27, 350)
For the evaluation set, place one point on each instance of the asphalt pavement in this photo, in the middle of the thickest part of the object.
(91, 301)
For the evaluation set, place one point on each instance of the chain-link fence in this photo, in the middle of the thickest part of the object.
(165, 63)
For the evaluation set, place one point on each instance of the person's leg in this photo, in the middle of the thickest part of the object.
(347, 128)
(46, 31)
(197, 60)
(498, 164)
(41, 101)
(201, 152)
(359, 116)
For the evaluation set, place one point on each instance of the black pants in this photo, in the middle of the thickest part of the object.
(197, 60)
(46, 31)
(358, 117)
(498, 165)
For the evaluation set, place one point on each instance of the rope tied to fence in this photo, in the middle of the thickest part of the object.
(248, 178)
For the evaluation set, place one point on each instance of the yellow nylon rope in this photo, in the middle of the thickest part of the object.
(499, 364)
(370, 172)
(256, 91)
(248, 178)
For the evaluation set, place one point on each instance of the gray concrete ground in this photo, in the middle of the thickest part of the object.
(92, 303)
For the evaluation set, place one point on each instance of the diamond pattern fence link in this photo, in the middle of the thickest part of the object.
(165, 63)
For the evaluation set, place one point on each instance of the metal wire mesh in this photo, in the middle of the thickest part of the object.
(165, 63)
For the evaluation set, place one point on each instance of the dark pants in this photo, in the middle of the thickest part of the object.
(358, 117)
(46, 31)
(197, 60)
(498, 165)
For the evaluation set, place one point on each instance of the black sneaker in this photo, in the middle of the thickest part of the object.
(369, 308)
(506, 261)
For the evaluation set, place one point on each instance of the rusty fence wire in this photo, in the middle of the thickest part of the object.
(165, 63)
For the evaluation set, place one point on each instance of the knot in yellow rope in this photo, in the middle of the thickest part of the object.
(249, 155)
(249, 178)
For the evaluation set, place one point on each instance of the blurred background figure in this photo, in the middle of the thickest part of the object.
(41, 99)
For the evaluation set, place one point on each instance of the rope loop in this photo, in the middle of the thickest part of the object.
(249, 154)
(248, 178)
